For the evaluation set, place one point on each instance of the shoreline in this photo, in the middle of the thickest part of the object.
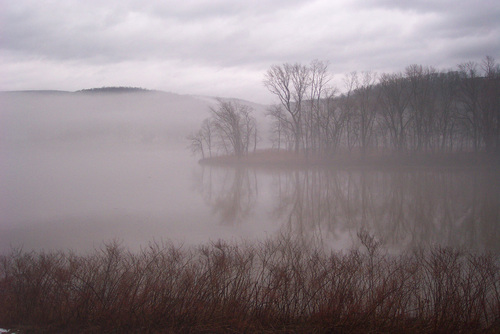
(271, 158)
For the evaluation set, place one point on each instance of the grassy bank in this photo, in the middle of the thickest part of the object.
(279, 285)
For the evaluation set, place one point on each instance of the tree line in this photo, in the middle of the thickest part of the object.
(418, 110)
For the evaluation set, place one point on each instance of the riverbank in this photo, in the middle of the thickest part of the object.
(270, 158)
(279, 285)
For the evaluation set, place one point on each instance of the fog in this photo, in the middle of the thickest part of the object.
(80, 169)
(84, 119)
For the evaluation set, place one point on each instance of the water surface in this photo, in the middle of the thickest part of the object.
(79, 171)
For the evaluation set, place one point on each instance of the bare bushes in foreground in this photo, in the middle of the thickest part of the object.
(279, 285)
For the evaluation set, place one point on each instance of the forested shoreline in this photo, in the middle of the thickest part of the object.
(420, 110)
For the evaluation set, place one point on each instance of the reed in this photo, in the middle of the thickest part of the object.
(277, 285)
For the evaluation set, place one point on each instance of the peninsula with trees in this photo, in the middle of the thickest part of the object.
(414, 113)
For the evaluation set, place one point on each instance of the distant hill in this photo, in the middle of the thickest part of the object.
(46, 91)
(104, 115)
(103, 90)
(114, 90)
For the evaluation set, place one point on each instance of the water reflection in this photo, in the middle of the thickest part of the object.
(405, 208)
(231, 193)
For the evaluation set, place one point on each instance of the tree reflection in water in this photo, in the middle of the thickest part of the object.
(405, 208)
(230, 192)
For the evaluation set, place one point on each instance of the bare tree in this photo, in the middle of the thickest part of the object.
(348, 109)
(202, 140)
(394, 102)
(333, 119)
(469, 102)
(281, 127)
(446, 88)
(234, 126)
(318, 90)
(489, 103)
(196, 143)
(422, 104)
(207, 135)
(366, 108)
(289, 83)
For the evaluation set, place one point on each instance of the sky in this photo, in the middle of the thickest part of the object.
(224, 47)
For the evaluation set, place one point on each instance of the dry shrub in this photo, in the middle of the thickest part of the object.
(278, 285)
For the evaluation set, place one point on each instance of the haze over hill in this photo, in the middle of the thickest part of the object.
(79, 168)
(120, 114)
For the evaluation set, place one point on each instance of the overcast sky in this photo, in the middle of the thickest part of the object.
(224, 47)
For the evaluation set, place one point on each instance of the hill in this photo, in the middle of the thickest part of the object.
(114, 90)
(108, 114)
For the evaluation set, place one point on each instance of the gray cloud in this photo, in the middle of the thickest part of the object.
(223, 47)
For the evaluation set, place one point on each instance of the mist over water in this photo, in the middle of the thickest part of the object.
(77, 170)
(404, 208)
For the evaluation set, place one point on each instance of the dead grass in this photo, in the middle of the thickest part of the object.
(279, 285)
